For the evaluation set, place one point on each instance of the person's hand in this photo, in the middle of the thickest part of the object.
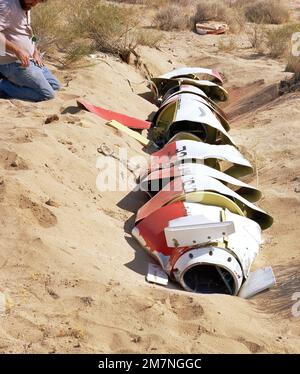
(23, 57)
(38, 59)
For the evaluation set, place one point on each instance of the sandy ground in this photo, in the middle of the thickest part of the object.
(74, 275)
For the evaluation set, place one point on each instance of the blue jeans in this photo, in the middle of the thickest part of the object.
(33, 83)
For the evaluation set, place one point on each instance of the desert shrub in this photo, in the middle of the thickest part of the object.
(171, 17)
(109, 27)
(57, 33)
(279, 39)
(210, 11)
(49, 30)
(78, 28)
(74, 53)
(267, 11)
(220, 11)
(256, 35)
(149, 38)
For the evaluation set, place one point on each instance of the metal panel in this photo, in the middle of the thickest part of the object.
(182, 189)
(191, 108)
(157, 275)
(184, 92)
(185, 150)
(159, 178)
(175, 191)
(192, 184)
(194, 71)
(160, 86)
(257, 282)
(196, 234)
(211, 89)
(188, 88)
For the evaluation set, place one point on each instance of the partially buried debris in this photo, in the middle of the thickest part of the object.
(200, 223)
(211, 28)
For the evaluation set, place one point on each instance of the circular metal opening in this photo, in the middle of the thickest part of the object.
(209, 279)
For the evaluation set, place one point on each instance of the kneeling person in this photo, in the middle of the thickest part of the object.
(24, 75)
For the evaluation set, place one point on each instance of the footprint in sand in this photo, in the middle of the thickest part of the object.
(68, 144)
(23, 135)
(253, 347)
(27, 135)
(185, 307)
(44, 216)
(11, 161)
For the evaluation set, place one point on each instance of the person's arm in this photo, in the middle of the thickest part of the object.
(5, 45)
(16, 50)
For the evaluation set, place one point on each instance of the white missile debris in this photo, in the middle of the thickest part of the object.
(183, 151)
(186, 71)
(200, 223)
(187, 112)
(156, 275)
(158, 179)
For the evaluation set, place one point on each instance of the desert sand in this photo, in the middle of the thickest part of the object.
(73, 274)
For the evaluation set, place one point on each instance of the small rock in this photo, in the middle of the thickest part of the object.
(136, 339)
(88, 301)
(72, 149)
(52, 203)
(51, 119)
(52, 294)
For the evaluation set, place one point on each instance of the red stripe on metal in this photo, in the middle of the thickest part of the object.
(171, 172)
(152, 228)
(167, 150)
(163, 197)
